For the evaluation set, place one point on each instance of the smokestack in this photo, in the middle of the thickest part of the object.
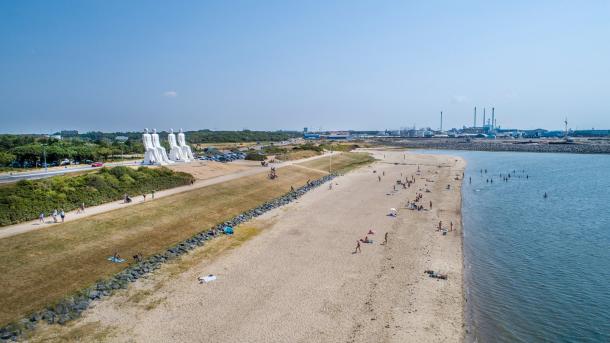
(483, 116)
(493, 118)
(441, 121)
(475, 117)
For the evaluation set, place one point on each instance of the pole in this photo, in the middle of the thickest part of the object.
(44, 154)
(330, 162)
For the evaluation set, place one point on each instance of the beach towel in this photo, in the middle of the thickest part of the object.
(228, 230)
(206, 279)
(116, 260)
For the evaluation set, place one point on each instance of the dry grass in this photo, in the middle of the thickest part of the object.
(296, 155)
(87, 332)
(342, 163)
(41, 267)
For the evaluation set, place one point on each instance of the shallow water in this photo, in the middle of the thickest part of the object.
(537, 270)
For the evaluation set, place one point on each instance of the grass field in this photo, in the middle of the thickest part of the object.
(342, 163)
(43, 266)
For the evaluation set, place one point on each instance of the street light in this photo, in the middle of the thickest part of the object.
(44, 154)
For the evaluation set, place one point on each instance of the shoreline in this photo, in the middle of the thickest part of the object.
(297, 278)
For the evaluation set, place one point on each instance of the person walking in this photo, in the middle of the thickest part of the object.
(144, 196)
(430, 204)
(357, 247)
(153, 194)
(41, 217)
(62, 214)
(385, 238)
(54, 215)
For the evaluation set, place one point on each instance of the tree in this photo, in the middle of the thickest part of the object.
(6, 158)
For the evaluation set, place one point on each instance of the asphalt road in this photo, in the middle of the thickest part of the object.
(41, 174)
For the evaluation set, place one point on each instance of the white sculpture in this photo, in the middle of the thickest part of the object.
(151, 154)
(185, 148)
(157, 145)
(175, 152)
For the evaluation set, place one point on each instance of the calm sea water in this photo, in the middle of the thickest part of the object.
(536, 269)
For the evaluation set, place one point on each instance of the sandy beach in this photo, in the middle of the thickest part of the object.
(298, 280)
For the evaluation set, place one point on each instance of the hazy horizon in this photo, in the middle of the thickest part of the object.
(122, 66)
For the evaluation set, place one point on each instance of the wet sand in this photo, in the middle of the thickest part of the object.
(299, 281)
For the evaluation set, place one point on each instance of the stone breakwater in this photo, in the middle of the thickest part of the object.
(495, 146)
(72, 307)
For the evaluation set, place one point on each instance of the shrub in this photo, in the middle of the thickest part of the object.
(253, 156)
(26, 199)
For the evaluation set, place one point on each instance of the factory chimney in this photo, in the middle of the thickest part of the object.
(441, 121)
(493, 118)
(475, 117)
(483, 117)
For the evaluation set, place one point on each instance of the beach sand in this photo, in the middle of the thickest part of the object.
(298, 279)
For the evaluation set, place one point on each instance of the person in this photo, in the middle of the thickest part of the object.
(440, 224)
(357, 247)
(366, 240)
(430, 204)
(153, 194)
(62, 214)
(371, 232)
(192, 181)
(383, 173)
(144, 196)
(451, 226)
(138, 257)
(385, 238)
(469, 179)
(54, 216)
(330, 185)
(291, 189)
(82, 207)
(379, 177)
(545, 195)
(41, 217)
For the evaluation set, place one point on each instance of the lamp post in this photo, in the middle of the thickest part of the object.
(44, 154)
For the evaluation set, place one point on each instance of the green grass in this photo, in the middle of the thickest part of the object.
(26, 199)
(341, 163)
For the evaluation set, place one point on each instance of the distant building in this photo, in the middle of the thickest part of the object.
(122, 139)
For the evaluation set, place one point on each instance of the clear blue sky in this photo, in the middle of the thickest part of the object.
(126, 65)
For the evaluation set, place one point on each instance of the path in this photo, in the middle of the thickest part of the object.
(11, 230)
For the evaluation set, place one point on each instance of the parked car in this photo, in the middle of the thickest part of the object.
(97, 164)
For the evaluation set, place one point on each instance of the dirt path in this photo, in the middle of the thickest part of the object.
(226, 174)
(298, 281)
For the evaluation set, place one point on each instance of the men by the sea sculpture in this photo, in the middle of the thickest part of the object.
(151, 154)
(157, 145)
(185, 148)
(175, 153)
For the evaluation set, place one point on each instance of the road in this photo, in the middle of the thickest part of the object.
(55, 171)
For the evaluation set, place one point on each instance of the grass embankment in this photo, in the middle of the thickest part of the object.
(341, 163)
(26, 199)
(43, 266)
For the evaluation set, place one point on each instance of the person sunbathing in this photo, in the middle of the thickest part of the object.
(366, 240)
(371, 232)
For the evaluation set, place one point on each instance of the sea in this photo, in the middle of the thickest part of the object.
(537, 269)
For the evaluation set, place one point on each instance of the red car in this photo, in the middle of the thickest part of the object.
(97, 164)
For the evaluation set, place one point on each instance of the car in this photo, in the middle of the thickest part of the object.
(97, 164)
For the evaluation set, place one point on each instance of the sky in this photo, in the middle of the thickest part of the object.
(270, 65)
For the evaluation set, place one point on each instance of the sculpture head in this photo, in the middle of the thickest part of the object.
(145, 130)
(154, 130)
(171, 130)
(181, 130)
